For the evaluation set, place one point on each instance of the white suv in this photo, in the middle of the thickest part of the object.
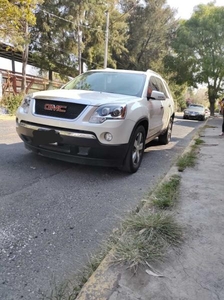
(102, 117)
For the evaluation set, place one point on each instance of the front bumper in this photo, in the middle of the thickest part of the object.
(70, 145)
(193, 117)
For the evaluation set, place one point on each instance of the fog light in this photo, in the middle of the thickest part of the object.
(108, 136)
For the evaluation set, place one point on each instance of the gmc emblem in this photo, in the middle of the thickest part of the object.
(53, 107)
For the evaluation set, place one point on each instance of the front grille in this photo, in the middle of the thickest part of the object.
(71, 111)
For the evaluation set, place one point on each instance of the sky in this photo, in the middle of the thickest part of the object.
(185, 8)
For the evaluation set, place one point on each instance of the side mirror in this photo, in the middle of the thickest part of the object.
(155, 95)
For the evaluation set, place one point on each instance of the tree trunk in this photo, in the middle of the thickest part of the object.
(25, 60)
(50, 78)
(50, 75)
(212, 95)
(212, 106)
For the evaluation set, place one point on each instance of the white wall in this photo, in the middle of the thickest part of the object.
(7, 65)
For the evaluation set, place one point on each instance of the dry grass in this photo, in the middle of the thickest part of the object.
(146, 239)
(167, 195)
(189, 158)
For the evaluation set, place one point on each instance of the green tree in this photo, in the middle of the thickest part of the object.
(94, 39)
(58, 50)
(151, 26)
(198, 56)
(53, 40)
(89, 16)
(13, 14)
(15, 18)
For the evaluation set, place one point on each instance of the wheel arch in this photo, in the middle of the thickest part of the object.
(142, 122)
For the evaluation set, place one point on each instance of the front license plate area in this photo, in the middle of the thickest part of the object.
(45, 137)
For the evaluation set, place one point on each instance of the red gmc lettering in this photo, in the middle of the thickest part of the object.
(53, 107)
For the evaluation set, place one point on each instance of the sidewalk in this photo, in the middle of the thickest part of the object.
(196, 270)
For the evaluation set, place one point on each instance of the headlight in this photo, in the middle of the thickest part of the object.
(26, 103)
(109, 111)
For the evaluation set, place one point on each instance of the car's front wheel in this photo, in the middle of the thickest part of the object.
(166, 136)
(135, 151)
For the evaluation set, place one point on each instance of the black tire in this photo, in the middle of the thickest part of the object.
(135, 151)
(165, 138)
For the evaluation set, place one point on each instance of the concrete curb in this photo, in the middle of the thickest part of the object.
(104, 281)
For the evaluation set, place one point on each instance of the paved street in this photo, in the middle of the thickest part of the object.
(52, 213)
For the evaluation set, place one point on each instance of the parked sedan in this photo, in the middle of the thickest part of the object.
(196, 112)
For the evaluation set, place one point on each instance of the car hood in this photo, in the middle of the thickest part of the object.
(83, 97)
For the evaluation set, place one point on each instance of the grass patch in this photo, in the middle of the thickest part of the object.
(146, 239)
(199, 141)
(167, 193)
(133, 251)
(210, 126)
(187, 160)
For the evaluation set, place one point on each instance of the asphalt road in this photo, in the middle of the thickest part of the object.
(53, 214)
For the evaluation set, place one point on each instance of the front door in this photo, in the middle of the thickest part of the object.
(156, 109)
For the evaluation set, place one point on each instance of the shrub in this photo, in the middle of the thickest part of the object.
(12, 102)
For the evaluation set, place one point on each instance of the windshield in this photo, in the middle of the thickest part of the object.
(124, 83)
(196, 108)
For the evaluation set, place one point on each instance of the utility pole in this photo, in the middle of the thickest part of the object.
(106, 40)
(25, 55)
(79, 47)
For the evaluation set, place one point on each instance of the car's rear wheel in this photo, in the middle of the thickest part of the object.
(135, 151)
(166, 136)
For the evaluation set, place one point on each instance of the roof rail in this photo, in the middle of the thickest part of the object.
(149, 70)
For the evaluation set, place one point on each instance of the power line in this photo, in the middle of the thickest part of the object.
(91, 29)
(65, 52)
(53, 15)
(81, 25)
(127, 12)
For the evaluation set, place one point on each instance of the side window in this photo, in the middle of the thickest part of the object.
(168, 89)
(161, 86)
(153, 85)
(156, 84)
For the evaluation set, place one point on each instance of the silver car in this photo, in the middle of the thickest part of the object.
(196, 112)
(102, 117)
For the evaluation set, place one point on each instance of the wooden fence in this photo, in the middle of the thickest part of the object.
(11, 83)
